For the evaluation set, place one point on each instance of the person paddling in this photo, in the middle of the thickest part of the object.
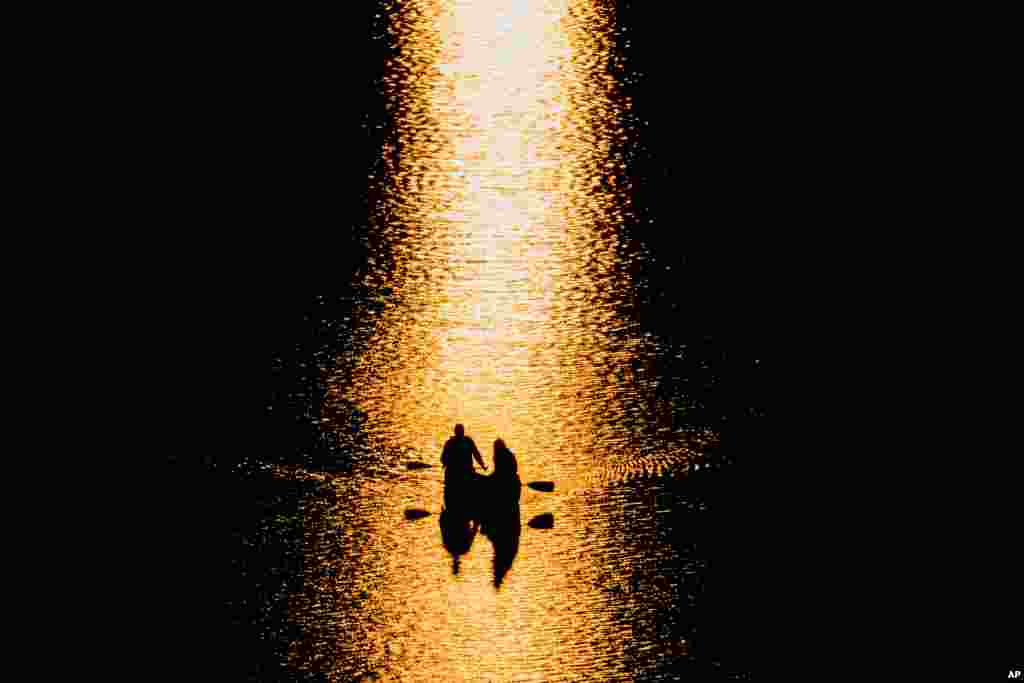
(458, 454)
(505, 465)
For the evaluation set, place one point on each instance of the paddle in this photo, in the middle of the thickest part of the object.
(544, 486)
(542, 521)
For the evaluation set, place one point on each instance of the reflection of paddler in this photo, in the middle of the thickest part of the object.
(458, 454)
(502, 527)
(457, 534)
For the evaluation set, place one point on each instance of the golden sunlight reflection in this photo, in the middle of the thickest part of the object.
(505, 311)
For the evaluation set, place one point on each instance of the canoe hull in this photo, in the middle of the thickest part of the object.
(478, 496)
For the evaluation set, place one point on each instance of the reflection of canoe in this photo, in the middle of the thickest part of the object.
(478, 496)
(490, 504)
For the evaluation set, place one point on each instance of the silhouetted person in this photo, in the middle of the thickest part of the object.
(504, 484)
(500, 521)
(505, 465)
(458, 454)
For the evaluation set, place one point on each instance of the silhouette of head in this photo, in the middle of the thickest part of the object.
(499, 445)
(459, 430)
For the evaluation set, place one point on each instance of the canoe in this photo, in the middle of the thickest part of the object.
(478, 496)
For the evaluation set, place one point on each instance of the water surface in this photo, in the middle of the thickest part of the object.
(501, 299)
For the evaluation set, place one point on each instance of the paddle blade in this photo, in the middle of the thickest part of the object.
(418, 465)
(546, 486)
(545, 521)
(413, 513)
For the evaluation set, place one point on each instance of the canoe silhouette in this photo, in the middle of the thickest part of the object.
(478, 496)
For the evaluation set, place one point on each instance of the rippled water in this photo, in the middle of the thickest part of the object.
(504, 302)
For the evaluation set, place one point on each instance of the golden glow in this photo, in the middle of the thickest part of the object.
(505, 316)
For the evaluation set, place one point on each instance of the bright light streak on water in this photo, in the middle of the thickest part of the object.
(507, 309)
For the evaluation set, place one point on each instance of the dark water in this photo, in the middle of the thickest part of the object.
(530, 263)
